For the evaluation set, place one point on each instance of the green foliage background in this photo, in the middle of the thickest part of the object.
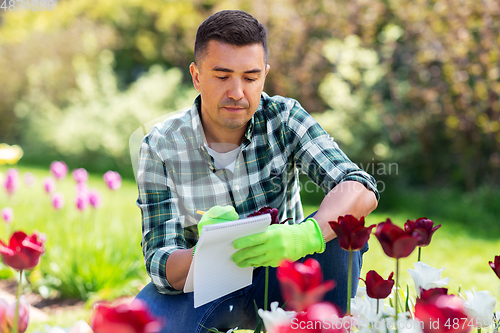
(409, 82)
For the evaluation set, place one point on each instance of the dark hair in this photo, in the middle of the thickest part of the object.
(234, 27)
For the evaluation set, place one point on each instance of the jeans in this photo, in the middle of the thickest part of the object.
(237, 309)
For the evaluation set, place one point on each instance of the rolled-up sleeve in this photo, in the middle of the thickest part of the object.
(319, 156)
(162, 224)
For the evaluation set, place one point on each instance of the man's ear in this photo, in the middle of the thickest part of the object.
(267, 71)
(195, 74)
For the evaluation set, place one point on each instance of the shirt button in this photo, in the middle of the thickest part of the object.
(237, 188)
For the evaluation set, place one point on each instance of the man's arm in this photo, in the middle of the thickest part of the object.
(177, 267)
(348, 197)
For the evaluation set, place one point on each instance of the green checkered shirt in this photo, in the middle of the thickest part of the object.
(177, 176)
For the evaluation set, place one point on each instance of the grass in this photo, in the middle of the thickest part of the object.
(97, 254)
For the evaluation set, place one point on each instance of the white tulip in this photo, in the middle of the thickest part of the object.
(427, 277)
(276, 317)
(480, 307)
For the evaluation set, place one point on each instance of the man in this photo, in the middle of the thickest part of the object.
(237, 147)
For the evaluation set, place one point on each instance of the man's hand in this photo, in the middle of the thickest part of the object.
(217, 214)
(279, 242)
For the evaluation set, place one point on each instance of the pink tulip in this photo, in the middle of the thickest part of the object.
(24, 314)
(59, 169)
(113, 180)
(58, 201)
(80, 175)
(95, 199)
(82, 187)
(82, 200)
(29, 179)
(7, 214)
(4, 323)
(49, 184)
(11, 181)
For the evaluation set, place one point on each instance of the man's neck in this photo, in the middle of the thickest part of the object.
(223, 141)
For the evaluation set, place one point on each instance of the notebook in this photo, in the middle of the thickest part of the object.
(212, 273)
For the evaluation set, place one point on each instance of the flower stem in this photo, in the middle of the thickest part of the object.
(16, 314)
(397, 293)
(377, 304)
(349, 284)
(419, 251)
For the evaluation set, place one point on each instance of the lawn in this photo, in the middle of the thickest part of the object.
(95, 254)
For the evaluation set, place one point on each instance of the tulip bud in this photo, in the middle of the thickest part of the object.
(59, 169)
(7, 214)
(24, 314)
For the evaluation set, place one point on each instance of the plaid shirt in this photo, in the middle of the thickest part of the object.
(177, 176)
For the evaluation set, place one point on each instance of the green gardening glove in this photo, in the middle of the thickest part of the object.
(217, 214)
(279, 242)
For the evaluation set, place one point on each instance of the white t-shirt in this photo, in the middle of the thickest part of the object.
(224, 160)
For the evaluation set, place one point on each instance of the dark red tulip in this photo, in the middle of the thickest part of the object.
(351, 232)
(269, 210)
(422, 228)
(302, 283)
(495, 265)
(428, 295)
(133, 318)
(395, 242)
(23, 251)
(442, 314)
(376, 286)
(320, 318)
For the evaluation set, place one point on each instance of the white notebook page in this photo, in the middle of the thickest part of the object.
(212, 273)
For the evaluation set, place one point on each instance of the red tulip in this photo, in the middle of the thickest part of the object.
(23, 251)
(376, 286)
(442, 314)
(302, 284)
(351, 232)
(269, 210)
(429, 294)
(422, 228)
(133, 318)
(496, 266)
(395, 242)
(320, 318)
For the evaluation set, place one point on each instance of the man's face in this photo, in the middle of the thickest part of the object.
(230, 79)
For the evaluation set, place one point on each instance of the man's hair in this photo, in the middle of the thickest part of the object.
(234, 27)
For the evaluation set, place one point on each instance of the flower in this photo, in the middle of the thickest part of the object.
(376, 286)
(49, 184)
(422, 228)
(320, 317)
(113, 180)
(23, 251)
(59, 169)
(29, 179)
(276, 319)
(364, 310)
(58, 201)
(495, 266)
(10, 154)
(11, 181)
(133, 318)
(7, 214)
(4, 323)
(427, 277)
(82, 200)
(442, 314)
(95, 198)
(24, 314)
(395, 242)
(351, 232)
(432, 292)
(480, 306)
(80, 175)
(302, 283)
(81, 326)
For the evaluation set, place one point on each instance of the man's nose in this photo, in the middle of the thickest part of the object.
(235, 91)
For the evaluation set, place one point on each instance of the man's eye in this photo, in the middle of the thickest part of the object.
(250, 79)
(222, 77)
